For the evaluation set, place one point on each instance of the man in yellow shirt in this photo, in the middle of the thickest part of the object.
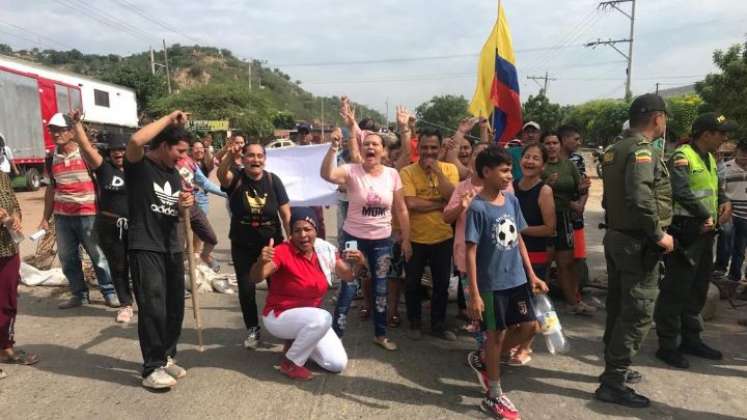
(428, 185)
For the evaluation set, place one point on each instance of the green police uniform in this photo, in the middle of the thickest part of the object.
(638, 205)
(683, 291)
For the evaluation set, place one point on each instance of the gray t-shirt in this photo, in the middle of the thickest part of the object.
(495, 229)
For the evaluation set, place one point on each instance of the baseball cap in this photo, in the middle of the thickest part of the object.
(116, 141)
(60, 120)
(303, 128)
(533, 124)
(710, 121)
(644, 104)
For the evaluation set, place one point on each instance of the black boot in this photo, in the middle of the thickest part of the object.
(701, 350)
(622, 396)
(673, 358)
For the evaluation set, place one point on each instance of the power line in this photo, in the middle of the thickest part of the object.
(614, 4)
(103, 20)
(134, 9)
(38, 35)
(409, 59)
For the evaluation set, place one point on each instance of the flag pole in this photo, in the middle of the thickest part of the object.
(492, 115)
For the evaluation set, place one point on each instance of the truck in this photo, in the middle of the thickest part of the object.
(30, 94)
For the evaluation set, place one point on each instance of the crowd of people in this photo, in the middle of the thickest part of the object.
(506, 220)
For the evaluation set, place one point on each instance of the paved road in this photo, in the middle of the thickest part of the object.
(90, 369)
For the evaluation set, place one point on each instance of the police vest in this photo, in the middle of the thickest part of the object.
(702, 180)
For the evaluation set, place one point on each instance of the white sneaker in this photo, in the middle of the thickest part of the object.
(252, 339)
(124, 315)
(159, 379)
(174, 370)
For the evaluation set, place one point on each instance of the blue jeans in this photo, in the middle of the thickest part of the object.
(73, 231)
(724, 246)
(378, 253)
(739, 238)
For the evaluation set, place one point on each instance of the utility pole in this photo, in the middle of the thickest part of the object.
(322, 135)
(657, 88)
(387, 112)
(166, 59)
(546, 78)
(251, 63)
(152, 62)
(612, 43)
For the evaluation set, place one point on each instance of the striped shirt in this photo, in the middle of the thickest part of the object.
(74, 189)
(734, 179)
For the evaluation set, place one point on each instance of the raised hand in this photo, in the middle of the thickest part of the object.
(268, 252)
(449, 143)
(403, 116)
(466, 125)
(179, 117)
(76, 115)
(347, 113)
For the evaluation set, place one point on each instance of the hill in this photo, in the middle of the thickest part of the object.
(212, 83)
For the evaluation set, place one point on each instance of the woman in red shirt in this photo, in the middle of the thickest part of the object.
(300, 270)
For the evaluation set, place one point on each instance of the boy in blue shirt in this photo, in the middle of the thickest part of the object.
(498, 267)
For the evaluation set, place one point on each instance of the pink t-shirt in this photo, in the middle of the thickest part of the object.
(460, 249)
(370, 200)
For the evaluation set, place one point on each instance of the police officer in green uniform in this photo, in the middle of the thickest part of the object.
(637, 200)
(699, 205)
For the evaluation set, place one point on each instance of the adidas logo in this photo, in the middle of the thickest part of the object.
(167, 197)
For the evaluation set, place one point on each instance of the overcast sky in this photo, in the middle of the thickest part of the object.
(674, 40)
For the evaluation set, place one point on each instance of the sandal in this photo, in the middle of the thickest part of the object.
(364, 314)
(385, 343)
(516, 361)
(20, 357)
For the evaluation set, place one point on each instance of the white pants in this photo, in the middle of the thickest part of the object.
(312, 335)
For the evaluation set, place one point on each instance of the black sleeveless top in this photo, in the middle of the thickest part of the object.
(529, 202)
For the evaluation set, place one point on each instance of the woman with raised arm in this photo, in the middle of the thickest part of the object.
(260, 210)
(374, 194)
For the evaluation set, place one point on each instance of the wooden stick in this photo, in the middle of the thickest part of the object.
(193, 277)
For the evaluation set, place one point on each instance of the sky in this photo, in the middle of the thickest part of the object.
(403, 51)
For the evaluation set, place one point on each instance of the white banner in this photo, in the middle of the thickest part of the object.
(298, 168)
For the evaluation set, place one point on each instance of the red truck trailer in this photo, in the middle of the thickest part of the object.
(31, 93)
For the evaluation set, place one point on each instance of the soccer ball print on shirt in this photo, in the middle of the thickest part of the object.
(505, 234)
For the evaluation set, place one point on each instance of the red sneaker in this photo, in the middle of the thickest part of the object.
(294, 371)
(501, 408)
(478, 367)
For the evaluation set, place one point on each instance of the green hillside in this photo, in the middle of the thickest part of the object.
(211, 83)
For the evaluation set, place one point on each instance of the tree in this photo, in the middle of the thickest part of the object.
(600, 120)
(249, 111)
(442, 112)
(547, 115)
(725, 92)
(283, 119)
(683, 110)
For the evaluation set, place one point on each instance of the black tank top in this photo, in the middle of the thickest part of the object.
(529, 201)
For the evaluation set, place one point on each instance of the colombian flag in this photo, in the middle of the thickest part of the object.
(497, 91)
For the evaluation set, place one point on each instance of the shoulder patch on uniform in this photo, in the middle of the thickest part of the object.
(643, 156)
(609, 157)
(680, 162)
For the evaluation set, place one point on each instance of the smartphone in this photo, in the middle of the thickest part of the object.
(351, 246)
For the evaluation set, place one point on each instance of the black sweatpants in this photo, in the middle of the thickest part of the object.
(244, 255)
(114, 246)
(158, 281)
(438, 257)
